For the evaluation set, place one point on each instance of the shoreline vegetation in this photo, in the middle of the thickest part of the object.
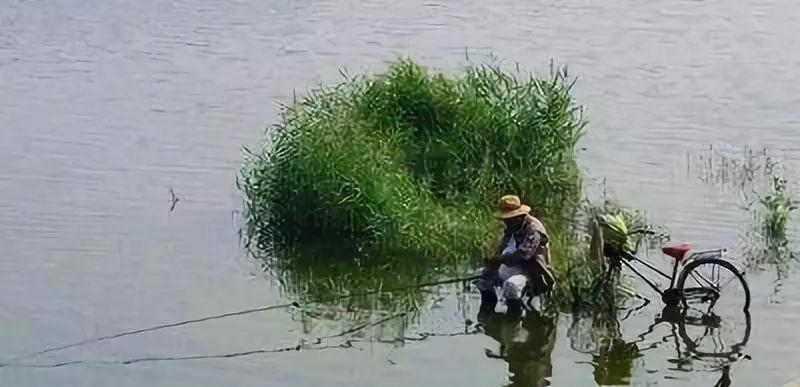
(391, 179)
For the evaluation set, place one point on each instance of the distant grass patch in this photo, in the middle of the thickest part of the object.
(759, 178)
(765, 193)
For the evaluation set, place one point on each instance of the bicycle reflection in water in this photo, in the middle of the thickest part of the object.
(698, 339)
(527, 345)
(599, 335)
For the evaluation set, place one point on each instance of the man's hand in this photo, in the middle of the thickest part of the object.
(492, 264)
(512, 259)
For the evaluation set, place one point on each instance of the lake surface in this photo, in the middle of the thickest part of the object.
(106, 106)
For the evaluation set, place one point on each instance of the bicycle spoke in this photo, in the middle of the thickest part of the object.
(696, 342)
(726, 283)
(706, 280)
(697, 309)
(721, 343)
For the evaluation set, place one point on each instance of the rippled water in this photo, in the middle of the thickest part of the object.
(107, 106)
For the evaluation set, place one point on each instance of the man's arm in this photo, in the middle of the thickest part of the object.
(526, 249)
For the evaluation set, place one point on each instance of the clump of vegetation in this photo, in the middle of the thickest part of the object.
(778, 205)
(411, 160)
(769, 241)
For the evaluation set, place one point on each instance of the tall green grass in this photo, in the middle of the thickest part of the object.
(413, 160)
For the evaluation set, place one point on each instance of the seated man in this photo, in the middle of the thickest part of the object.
(522, 260)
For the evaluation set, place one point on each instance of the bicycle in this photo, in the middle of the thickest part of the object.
(689, 284)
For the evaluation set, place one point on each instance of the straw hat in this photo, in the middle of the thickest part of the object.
(510, 206)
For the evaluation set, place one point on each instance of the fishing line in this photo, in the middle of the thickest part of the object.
(298, 347)
(232, 314)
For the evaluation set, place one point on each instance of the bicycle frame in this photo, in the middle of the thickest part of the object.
(627, 258)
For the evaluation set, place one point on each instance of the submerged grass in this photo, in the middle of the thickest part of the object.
(769, 243)
(777, 205)
(766, 195)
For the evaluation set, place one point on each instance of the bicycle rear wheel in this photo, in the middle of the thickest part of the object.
(715, 285)
(708, 337)
(716, 302)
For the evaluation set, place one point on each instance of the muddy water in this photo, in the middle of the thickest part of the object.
(105, 107)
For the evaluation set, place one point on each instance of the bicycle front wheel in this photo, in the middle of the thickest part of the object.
(713, 285)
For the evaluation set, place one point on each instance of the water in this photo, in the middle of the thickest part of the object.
(106, 106)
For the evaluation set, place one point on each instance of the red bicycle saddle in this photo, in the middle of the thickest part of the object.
(677, 251)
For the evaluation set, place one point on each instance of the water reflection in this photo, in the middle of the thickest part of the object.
(705, 337)
(599, 335)
(358, 293)
(526, 345)
(341, 288)
(698, 339)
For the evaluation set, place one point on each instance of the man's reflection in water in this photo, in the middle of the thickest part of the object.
(525, 344)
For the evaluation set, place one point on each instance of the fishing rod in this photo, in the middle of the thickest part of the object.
(237, 313)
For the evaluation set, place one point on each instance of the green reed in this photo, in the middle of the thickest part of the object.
(777, 207)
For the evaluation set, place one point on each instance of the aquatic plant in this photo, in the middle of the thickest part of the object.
(768, 242)
(766, 196)
(778, 205)
(347, 281)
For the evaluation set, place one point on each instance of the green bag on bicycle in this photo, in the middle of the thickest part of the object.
(615, 235)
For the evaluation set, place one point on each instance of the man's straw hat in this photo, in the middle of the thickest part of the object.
(510, 206)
